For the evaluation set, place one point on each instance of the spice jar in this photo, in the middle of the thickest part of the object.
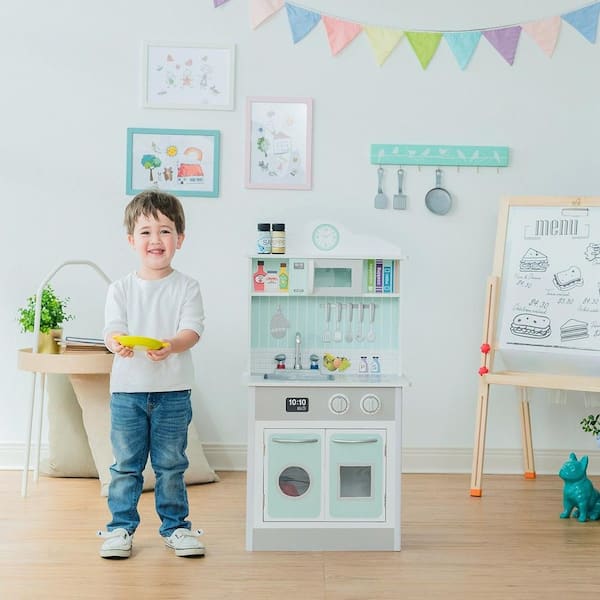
(278, 239)
(263, 242)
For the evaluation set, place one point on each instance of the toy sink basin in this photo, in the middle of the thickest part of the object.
(298, 375)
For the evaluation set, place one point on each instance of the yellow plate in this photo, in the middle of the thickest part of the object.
(132, 341)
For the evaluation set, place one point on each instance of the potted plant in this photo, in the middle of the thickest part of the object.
(52, 315)
(591, 424)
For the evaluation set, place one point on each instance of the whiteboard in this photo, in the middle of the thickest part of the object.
(549, 299)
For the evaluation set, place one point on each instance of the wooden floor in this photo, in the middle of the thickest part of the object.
(509, 544)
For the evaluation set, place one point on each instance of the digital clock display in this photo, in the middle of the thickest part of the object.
(295, 404)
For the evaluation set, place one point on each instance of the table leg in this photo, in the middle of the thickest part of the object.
(25, 476)
(479, 446)
(36, 463)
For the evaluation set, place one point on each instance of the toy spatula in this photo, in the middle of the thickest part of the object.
(380, 198)
(399, 200)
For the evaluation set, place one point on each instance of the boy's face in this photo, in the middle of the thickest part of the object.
(155, 240)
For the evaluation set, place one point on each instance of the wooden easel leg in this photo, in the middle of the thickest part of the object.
(526, 435)
(479, 446)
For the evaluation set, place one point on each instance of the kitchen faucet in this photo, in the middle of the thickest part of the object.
(297, 353)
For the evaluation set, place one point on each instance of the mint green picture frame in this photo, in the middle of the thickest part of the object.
(183, 162)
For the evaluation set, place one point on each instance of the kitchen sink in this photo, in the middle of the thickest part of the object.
(299, 375)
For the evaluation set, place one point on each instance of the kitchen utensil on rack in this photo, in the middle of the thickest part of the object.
(380, 198)
(279, 324)
(399, 200)
(349, 313)
(337, 334)
(371, 334)
(438, 199)
(326, 337)
(361, 316)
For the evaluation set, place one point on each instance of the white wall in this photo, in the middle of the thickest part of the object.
(71, 87)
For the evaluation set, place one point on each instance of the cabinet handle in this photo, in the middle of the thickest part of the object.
(367, 441)
(287, 441)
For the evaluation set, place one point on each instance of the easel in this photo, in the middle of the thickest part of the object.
(522, 380)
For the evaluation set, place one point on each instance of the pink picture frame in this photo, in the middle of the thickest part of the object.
(279, 143)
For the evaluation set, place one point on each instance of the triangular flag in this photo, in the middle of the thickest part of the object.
(544, 33)
(424, 44)
(261, 10)
(505, 40)
(463, 45)
(219, 2)
(302, 21)
(383, 41)
(340, 33)
(585, 20)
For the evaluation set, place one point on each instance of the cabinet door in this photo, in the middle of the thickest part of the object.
(356, 464)
(292, 475)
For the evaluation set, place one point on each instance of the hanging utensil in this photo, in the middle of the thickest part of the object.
(371, 334)
(361, 316)
(326, 337)
(380, 198)
(438, 200)
(350, 311)
(337, 334)
(399, 200)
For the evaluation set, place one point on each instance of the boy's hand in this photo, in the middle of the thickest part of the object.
(161, 353)
(116, 348)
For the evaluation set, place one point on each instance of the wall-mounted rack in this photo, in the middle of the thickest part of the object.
(439, 155)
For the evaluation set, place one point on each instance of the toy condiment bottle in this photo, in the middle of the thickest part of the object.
(259, 277)
(278, 239)
(283, 277)
(263, 242)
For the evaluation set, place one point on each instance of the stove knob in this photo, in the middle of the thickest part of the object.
(339, 404)
(370, 404)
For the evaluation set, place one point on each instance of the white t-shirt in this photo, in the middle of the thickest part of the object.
(157, 308)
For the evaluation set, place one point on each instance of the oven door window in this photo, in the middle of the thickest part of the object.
(356, 462)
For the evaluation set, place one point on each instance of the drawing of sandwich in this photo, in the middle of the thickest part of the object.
(573, 330)
(567, 279)
(528, 325)
(533, 260)
(592, 253)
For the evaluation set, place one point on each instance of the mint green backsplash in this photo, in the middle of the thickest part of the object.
(306, 314)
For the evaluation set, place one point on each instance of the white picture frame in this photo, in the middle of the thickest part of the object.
(279, 143)
(188, 76)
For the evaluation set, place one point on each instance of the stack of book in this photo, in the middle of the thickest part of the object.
(82, 344)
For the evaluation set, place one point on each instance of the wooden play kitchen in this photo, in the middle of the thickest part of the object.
(324, 418)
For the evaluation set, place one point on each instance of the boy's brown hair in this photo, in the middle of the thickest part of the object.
(150, 203)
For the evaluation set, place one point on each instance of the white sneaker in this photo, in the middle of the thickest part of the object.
(185, 542)
(117, 544)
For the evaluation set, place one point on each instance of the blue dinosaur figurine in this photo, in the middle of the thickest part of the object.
(579, 493)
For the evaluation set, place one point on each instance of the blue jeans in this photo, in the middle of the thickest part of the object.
(154, 424)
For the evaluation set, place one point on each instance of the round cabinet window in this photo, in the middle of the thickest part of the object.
(339, 404)
(370, 404)
(294, 481)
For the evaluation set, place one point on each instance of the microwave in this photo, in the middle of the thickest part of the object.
(326, 277)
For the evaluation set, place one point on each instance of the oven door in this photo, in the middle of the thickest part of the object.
(356, 464)
(292, 475)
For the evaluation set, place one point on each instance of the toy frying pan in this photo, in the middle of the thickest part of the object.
(133, 341)
(438, 199)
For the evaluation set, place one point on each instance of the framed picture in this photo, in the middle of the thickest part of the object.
(184, 162)
(279, 143)
(188, 76)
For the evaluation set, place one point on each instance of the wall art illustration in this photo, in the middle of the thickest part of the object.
(181, 161)
(279, 143)
(188, 76)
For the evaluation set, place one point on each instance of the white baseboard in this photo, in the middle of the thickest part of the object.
(232, 457)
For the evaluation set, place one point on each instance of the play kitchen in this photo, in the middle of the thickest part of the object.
(325, 386)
